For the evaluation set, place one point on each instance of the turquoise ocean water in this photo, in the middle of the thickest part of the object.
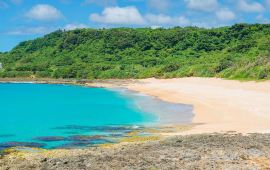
(66, 116)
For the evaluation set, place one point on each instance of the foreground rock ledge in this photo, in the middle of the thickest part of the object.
(207, 151)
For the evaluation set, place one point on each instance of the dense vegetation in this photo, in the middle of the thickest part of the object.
(239, 51)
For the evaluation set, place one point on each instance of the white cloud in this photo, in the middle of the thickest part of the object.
(30, 31)
(203, 24)
(40, 30)
(74, 26)
(155, 27)
(117, 15)
(225, 14)
(202, 5)
(182, 21)
(161, 19)
(159, 5)
(44, 12)
(246, 6)
(131, 16)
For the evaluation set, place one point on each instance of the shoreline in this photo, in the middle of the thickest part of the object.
(167, 113)
(206, 151)
(219, 105)
(151, 104)
(211, 140)
(134, 95)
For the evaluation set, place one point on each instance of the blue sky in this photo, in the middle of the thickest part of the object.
(27, 19)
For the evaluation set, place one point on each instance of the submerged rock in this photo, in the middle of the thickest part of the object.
(85, 137)
(21, 144)
(82, 141)
(207, 151)
(82, 144)
(99, 128)
(50, 138)
(72, 145)
(116, 135)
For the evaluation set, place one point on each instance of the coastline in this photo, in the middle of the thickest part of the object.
(166, 113)
(206, 151)
(148, 105)
(219, 105)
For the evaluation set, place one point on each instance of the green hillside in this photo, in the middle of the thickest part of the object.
(241, 51)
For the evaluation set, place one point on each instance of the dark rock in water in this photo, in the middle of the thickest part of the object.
(21, 144)
(73, 127)
(72, 145)
(82, 144)
(50, 138)
(1, 149)
(6, 136)
(84, 137)
(116, 135)
(115, 128)
(205, 151)
(99, 128)
(101, 141)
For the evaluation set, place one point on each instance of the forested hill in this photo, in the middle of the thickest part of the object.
(239, 51)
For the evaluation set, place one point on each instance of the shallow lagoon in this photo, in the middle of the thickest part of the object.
(66, 116)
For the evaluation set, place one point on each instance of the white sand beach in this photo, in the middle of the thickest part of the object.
(219, 105)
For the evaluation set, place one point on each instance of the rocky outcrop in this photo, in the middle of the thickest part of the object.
(207, 151)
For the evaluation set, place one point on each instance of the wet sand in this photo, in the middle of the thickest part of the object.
(219, 105)
(165, 113)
